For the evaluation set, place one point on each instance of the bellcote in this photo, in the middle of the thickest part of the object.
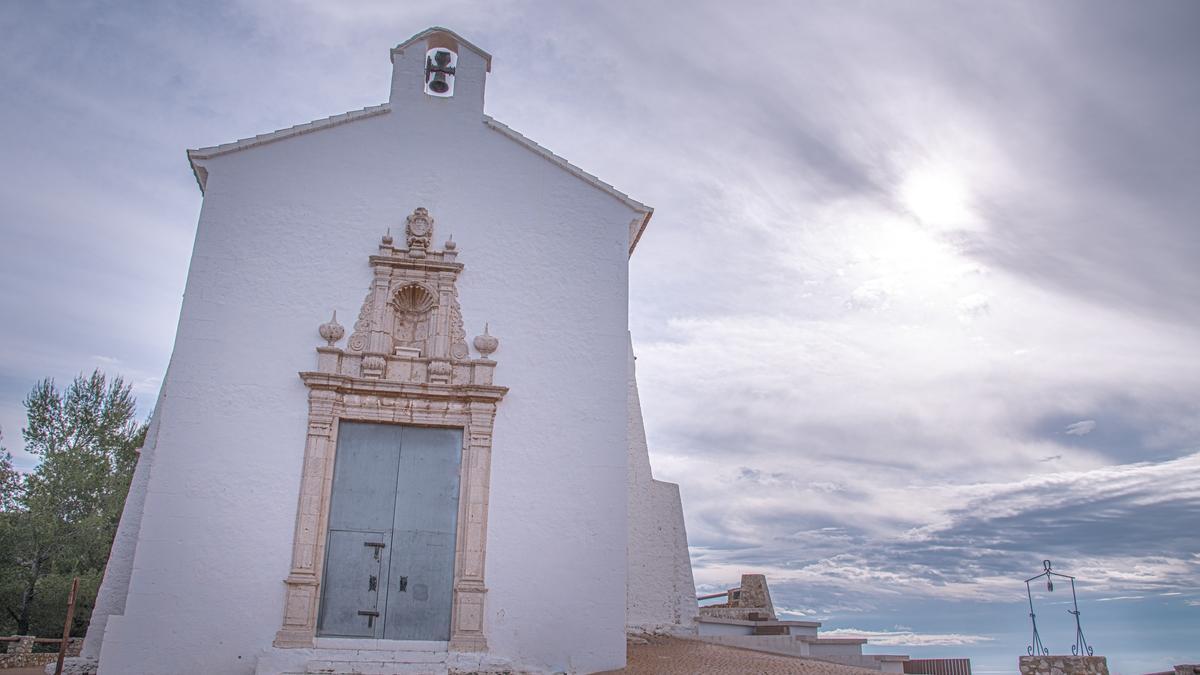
(438, 67)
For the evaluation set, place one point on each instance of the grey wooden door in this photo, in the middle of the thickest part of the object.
(389, 565)
(423, 535)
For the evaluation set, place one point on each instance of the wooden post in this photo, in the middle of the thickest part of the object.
(62, 646)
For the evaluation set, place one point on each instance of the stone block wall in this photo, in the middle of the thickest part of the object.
(1064, 665)
(20, 654)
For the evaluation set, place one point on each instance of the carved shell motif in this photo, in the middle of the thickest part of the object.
(413, 298)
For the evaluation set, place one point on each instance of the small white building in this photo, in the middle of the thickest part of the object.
(455, 481)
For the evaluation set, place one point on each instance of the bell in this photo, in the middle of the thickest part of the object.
(438, 71)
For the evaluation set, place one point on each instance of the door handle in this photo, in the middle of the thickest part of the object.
(371, 616)
(377, 545)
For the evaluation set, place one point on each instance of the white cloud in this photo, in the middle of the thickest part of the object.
(973, 306)
(876, 278)
(1081, 428)
(907, 638)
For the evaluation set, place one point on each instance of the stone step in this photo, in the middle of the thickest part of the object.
(373, 668)
(381, 656)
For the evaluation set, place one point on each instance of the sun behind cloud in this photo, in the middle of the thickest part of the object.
(938, 196)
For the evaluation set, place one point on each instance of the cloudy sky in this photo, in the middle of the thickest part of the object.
(919, 305)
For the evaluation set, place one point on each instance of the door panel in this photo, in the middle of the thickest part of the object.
(426, 520)
(350, 602)
(360, 530)
(364, 476)
(393, 517)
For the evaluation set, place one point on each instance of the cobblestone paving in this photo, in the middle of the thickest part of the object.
(669, 656)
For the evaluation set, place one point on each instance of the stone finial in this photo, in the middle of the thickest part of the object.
(331, 331)
(387, 237)
(450, 244)
(486, 343)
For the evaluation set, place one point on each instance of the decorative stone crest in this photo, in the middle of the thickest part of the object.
(406, 362)
(420, 233)
(412, 310)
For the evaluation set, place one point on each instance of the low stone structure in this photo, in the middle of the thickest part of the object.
(750, 601)
(673, 656)
(747, 620)
(19, 651)
(1064, 665)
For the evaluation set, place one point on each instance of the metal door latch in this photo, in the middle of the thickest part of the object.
(371, 616)
(377, 545)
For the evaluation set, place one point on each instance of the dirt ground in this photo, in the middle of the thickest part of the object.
(670, 656)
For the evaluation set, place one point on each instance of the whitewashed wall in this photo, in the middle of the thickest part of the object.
(661, 594)
(283, 239)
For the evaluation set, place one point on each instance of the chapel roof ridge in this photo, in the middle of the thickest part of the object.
(564, 164)
(487, 58)
(370, 111)
(279, 134)
(197, 155)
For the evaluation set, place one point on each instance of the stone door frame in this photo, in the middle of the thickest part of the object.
(333, 398)
(384, 376)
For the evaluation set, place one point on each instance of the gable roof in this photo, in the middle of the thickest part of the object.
(197, 156)
(399, 49)
(636, 228)
(200, 154)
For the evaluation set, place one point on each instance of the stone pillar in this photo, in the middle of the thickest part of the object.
(303, 581)
(469, 588)
(754, 593)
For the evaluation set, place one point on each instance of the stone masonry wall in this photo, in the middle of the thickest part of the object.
(1064, 665)
(20, 654)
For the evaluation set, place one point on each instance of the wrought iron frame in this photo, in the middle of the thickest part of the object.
(1036, 647)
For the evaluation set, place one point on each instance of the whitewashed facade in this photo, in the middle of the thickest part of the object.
(217, 566)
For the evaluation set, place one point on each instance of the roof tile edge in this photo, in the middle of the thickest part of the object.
(278, 135)
(639, 224)
(438, 29)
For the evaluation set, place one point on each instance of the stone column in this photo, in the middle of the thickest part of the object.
(469, 588)
(304, 579)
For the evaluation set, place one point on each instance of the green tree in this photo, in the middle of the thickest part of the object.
(66, 512)
(11, 483)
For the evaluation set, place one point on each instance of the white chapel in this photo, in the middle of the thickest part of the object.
(450, 475)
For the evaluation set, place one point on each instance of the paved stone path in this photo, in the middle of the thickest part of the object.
(670, 656)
